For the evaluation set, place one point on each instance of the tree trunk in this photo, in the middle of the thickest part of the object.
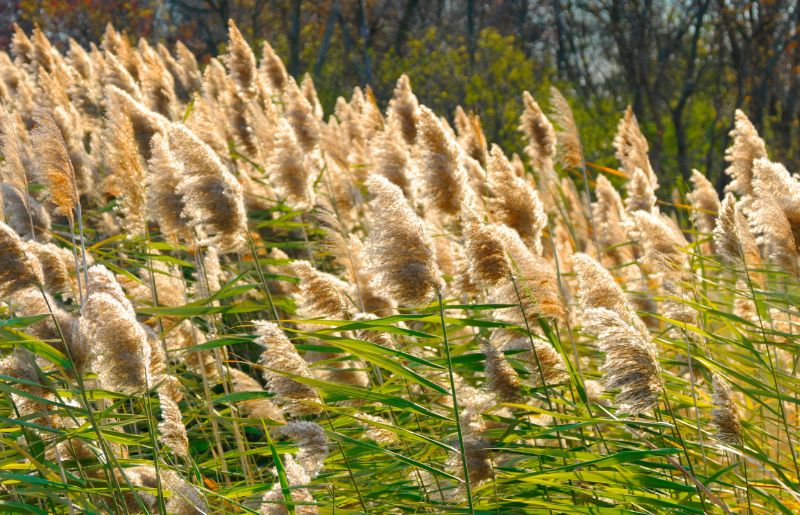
(294, 40)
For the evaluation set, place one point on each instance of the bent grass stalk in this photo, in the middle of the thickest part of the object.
(454, 396)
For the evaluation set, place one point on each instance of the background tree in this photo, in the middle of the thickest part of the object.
(683, 65)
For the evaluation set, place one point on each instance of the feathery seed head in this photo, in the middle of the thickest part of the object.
(399, 249)
(631, 360)
(164, 203)
(774, 232)
(281, 357)
(444, 182)
(632, 148)
(404, 110)
(501, 378)
(321, 295)
(540, 134)
(747, 146)
(288, 169)
(570, 151)
(119, 342)
(546, 366)
(300, 115)
(598, 289)
(486, 257)
(515, 202)
(733, 238)
(213, 199)
(240, 61)
(273, 69)
(18, 269)
(536, 282)
(311, 441)
(641, 196)
(55, 166)
(705, 202)
(663, 243)
(725, 416)
(774, 181)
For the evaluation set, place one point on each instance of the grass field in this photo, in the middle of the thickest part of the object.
(219, 299)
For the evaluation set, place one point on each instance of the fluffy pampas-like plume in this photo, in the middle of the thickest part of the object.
(546, 367)
(570, 150)
(56, 263)
(631, 360)
(321, 295)
(733, 238)
(280, 357)
(300, 115)
(273, 69)
(598, 289)
(534, 281)
(240, 61)
(443, 180)
(13, 169)
(126, 169)
(725, 416)
(404, 110)
(609, 217)
(213, 199)
(515, 203)
(258, 408)
(774, 232)
(20, 210)
(631, 148)
(300, 469)
(641, 195)
(311, 441)
(486, 258)
(470, 135)
(664, 245)
(392, 159)
(501, 377)
(399, 249)
(747, 146)
(164, 203)
(705, 202)
(773, 180)
(540, 134)
(55, 167)
(183, 498)
(18, 270)
(122, 352)
(288, 170)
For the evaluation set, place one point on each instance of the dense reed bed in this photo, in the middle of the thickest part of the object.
(217, 298)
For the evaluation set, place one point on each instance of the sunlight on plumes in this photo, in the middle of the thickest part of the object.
(55, 170)
(631, 148)
(570, 150)
(443, 181)
(424, 308)
(399, 249)
(280, 357)
(747, 146)
(404, 110)
(725, 414)
(212, 197)
(18, 268)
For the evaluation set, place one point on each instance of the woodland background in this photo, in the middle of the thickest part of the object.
(684, 66)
